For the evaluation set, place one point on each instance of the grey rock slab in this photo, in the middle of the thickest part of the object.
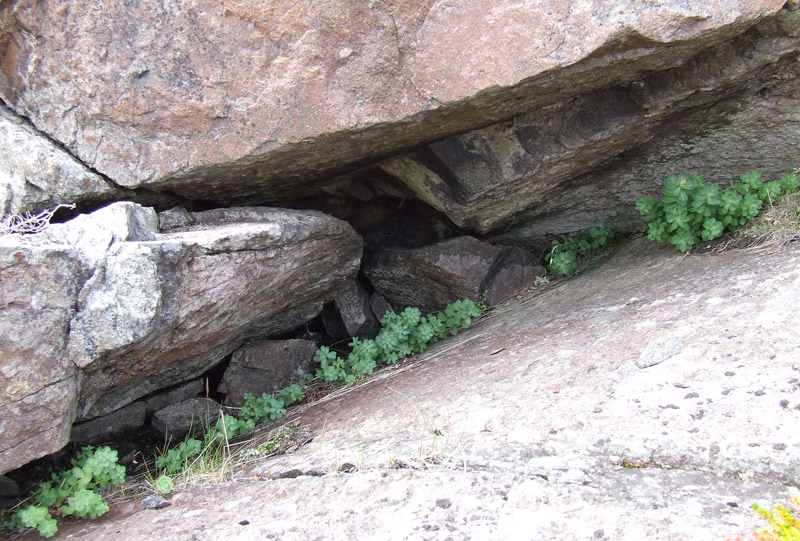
(162, 311)
(187, 417)
(38, 381)
(433, 276)
(266, 366)
(35, 173)
(105, 309)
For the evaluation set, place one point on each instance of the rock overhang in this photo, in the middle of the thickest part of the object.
(314, 90)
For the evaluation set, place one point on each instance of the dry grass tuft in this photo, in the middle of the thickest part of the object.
(775, 226)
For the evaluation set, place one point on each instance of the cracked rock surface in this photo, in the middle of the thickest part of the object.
(537, 423)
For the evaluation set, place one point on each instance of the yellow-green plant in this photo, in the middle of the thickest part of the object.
(784, 525)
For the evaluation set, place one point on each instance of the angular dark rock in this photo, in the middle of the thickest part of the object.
(433, 276)
(134, 415)
(350, 314)
(464, 267)
(123, 420)
(174, 218)
(266, 366)
(173, 395)
(513, 270)
(8, 487)
(379, 305)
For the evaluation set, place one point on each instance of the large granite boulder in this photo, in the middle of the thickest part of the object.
(38, 380)
(257, 102)
(105, 309)
(539, 171)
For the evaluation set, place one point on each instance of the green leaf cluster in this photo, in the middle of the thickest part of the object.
(401, 335)
(74, 491)
(690, 210)
(256, 410)
(562, 260)
(178, 458)
(164, 484)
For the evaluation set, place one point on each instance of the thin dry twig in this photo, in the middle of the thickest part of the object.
(28, 223)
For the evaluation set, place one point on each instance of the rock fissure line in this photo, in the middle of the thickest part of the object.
(145, 195)
(55, 142)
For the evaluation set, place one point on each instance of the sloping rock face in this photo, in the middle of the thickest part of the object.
(257, 102)
(537, 422)
(105, 309)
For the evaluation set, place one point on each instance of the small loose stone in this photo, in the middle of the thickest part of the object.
(444, 503)
(155, 502)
